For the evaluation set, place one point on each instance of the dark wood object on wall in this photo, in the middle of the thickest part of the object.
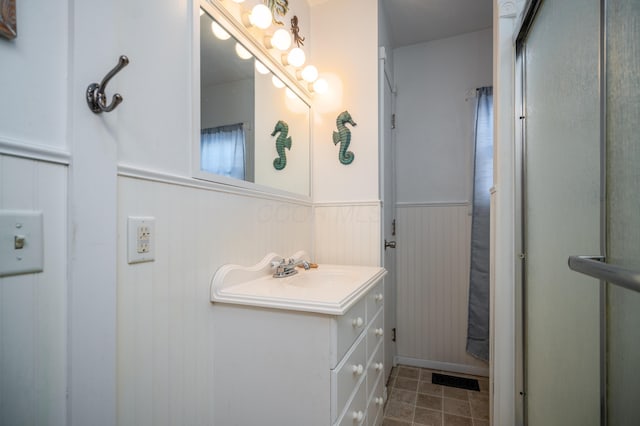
(8, 26)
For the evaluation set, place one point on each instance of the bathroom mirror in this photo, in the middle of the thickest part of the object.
(254, 129)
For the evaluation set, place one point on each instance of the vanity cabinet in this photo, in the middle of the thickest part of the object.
(282, 367)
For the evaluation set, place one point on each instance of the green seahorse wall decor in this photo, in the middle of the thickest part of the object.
(343, 136)
(278, 8)
(282, 141)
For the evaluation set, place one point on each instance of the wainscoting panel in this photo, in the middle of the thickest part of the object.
(347, 233)
(33, 307)
(165, 320)
(433, 284)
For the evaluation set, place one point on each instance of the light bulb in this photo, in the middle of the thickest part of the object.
(260, 16)
(277, 82)
(219, 32)
(281, 39)
(242, 52)
(320, 86)
(261, 68)
(238, 1)
(309, 74)
(295, 57)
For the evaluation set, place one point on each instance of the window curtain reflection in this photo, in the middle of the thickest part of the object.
(478, 328)
(222, 150)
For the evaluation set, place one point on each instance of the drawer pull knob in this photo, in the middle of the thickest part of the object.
(357, 416)
(379, 297)
(358, 322)
(379, 332)
(378, 366)
(357, 369)
(379, 400)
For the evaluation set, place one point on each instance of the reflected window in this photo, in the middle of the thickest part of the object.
(222, 150)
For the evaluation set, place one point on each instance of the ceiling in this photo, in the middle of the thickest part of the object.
(418, 21)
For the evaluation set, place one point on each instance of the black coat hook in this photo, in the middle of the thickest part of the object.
(96, 99)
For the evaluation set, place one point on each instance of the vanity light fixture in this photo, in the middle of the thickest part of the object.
(308, 74)
(261, 68)
(219, 32)
(242, 52)
(281, 40)
(260, 17)
(295, 57)
(277, 82)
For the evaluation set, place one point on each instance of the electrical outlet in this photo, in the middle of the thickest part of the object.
(141, 237)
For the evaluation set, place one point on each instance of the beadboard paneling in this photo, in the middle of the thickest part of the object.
(433, 283)
(347, 234)
(165, 320)
(33, 307)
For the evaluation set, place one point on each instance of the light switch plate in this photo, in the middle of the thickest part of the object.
(21, 242)
(141, 238)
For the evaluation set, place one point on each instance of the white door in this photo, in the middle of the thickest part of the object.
(388, 197)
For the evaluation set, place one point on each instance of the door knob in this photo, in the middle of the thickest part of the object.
(389, 244)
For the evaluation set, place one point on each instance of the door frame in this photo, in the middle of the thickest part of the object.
(92, 219)
(388, 202)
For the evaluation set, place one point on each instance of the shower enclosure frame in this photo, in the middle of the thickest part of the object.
(523, 29)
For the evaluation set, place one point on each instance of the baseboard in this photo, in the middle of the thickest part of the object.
(442, 366)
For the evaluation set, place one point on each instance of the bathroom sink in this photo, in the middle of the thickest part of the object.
(330, 289)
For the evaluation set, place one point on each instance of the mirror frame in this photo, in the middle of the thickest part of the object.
(218, 12)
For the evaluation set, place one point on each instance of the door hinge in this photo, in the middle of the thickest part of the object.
(522, 256)
(393, 227)
(393, 121)
(393, 334)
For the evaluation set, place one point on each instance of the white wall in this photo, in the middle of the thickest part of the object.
(434, 121)
(345, 50)
(33, 176)
(436, 82)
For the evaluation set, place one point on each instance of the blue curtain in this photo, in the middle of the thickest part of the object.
(478, 328)
(222, 150)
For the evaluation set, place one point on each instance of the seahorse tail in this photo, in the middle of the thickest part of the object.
(279, 163)
(347, 157)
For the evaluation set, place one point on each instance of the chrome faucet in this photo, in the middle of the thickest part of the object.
(286, 268)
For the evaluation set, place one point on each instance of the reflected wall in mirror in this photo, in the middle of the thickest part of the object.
(240, 106)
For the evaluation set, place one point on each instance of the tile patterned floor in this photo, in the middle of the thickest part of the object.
(415, 401)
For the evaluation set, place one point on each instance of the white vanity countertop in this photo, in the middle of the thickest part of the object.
(328, 289)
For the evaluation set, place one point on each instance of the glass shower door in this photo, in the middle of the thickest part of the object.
(561, 213)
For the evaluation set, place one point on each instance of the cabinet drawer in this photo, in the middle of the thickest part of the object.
(349, 326)
(375, 334)
(375, 299)
(356, 412)
(376, 403)
(346, 377)
(375, 368)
